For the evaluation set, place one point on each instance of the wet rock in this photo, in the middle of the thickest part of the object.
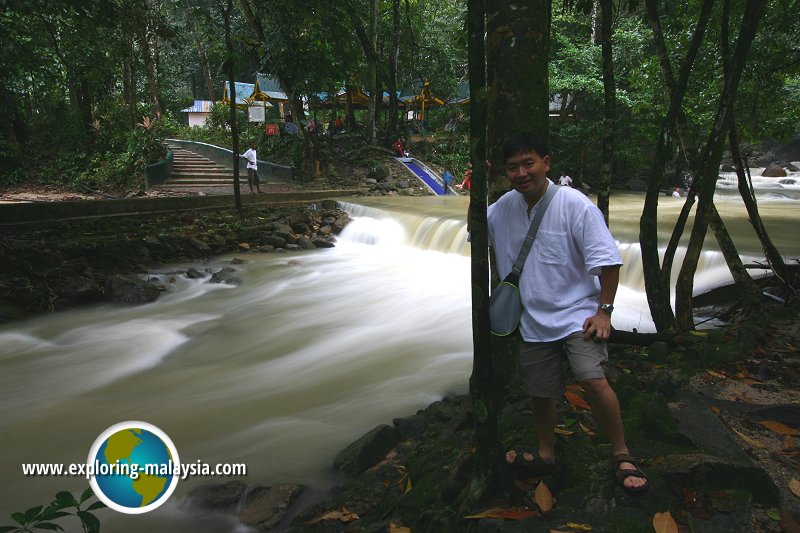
(304, 242)
(218, 497)
(320, 242)
(342, 221)
(379, 173)
(193, 273)
(273, 240)
(227, 275)
(774, 170)
(265, 507)
(367, 451)
(130, 290)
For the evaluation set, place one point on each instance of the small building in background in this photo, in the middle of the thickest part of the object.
(198, 113)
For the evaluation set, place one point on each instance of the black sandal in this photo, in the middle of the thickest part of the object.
(529, 468)
(622, 474)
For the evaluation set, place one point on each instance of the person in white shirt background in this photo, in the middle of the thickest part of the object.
(252, 168)
(565, 180)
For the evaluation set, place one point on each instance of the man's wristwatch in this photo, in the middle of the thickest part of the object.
(608, 308)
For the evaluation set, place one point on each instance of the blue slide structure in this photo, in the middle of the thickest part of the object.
(427, 176)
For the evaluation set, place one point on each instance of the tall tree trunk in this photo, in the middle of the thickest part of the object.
(227, 14)
(772, 254)
(201, 52)
(517, 72)
(657, 275)
(150, 49)
(609, 109)
(711, 155)
(488, 473)
(372, 62)
(393, 54)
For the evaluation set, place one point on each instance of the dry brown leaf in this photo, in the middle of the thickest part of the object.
(664, 523)
(343, 515)
(777, 427)
(543, 497)
(580, 527)
(560, 431)
(714, 409)
(576, 401)
(394, 528)
(716, 374)
(749, 440)
(794, 486)
(586, 430)
(512, 513)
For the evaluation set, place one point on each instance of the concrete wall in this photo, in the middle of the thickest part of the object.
(266, 170)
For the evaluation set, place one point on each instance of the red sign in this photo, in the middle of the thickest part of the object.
(271, 129)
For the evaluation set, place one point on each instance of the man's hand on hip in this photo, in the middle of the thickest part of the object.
(598, 326)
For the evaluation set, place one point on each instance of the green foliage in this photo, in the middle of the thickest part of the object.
(41, 518)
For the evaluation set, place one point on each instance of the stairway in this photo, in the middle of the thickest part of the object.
(191, 171)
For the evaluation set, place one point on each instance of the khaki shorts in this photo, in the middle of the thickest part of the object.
(541, 364)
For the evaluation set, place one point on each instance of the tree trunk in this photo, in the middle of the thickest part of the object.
(201, 52)
(609, 109)
(711, 155)
(772, 254)
(228, 13)
(517, 71)
(150, 49)
(657, 275)
(489, 473)
(393, 54)
(373, 72)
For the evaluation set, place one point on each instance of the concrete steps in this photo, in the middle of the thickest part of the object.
(193, 171)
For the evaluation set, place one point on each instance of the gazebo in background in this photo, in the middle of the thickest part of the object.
(418, 103)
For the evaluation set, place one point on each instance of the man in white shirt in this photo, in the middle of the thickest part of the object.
(252, 168)
(565, 180)
(567, 287)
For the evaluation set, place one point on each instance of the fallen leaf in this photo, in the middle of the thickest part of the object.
(576, 401)
(580, 527)
(343, 515)
(664, 523)
(513, 513)
(751, 441)
(560, 431)
(716, 374)
(714, 409)
(543, 497)
(586, 430)
(394, 528)
(777, 427)
(794, 486)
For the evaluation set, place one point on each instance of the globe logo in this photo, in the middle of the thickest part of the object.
(134, 467)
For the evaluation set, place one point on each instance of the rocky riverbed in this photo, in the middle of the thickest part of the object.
(51, 266)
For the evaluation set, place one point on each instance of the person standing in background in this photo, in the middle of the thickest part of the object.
(252, 168)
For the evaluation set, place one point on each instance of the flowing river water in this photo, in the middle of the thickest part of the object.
(312, 350)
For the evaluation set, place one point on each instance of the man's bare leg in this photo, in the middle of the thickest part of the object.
(605, 408)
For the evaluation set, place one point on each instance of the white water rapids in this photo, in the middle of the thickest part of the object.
(312, 350)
